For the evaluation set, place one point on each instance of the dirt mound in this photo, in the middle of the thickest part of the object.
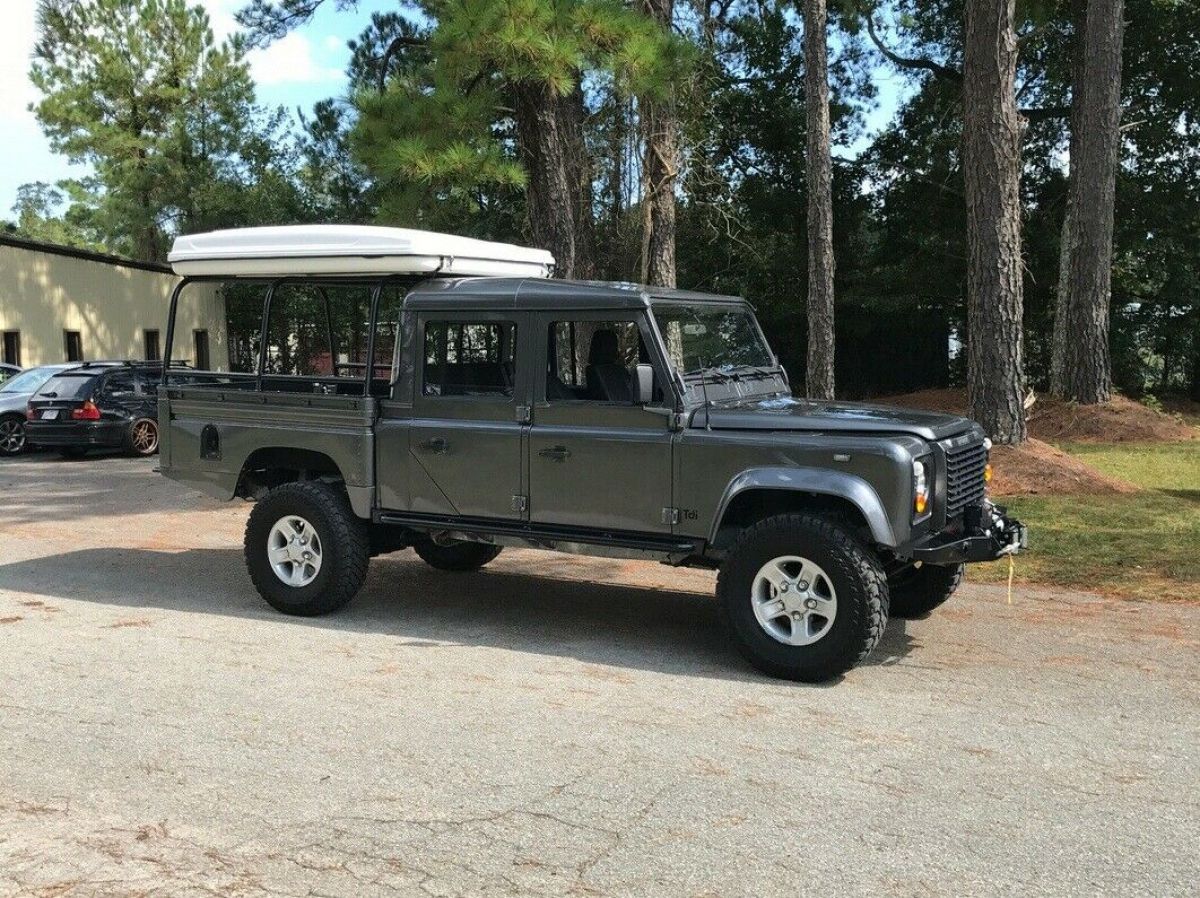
(1038, 469)
(1119, 421)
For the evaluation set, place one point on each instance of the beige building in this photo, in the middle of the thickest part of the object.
(60, 304)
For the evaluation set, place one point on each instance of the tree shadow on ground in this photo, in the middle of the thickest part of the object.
(662, 630)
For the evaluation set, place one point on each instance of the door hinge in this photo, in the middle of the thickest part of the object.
(670, 515)
(520, 503)
(522, 414)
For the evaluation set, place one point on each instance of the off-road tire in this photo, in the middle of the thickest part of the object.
(72, 453)
(344, 540)
(14, 439)
(916, 591)
(856, 575)
(461, 556)
(131, 443)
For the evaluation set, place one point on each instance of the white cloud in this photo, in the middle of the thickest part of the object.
(16, 49)
(290, 60)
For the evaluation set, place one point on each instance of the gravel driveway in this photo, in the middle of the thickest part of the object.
(553, 725)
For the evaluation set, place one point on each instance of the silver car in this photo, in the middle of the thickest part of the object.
(14, 396)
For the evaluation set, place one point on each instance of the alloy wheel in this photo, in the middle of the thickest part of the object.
(12, 436)
(294, 550)
(145, 437)
(794, 600)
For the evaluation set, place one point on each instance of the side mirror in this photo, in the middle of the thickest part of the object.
(643, 384)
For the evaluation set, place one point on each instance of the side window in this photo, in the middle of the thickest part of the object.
(469, 358)
(119, 386)
(593, 360)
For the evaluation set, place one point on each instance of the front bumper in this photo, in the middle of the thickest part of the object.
(986, 533)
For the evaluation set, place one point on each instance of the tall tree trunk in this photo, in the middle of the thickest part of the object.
(660, 167)
(1058, 337)
(572, 116)
(1194, 390)
(819, 164)
(550, 138)
(1095, 141)
(992, 158)
(1061, 332)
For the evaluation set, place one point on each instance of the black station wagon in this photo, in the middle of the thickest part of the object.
(111, 405)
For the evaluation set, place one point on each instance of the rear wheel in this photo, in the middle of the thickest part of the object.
(917, 590)
(306, 551)
(142, 437)
(802, 598)
(459, 556)
(12, 435)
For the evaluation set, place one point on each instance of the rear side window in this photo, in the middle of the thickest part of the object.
(68, 386)
(469, 358)
(120, 385)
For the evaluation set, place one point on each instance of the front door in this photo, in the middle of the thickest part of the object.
(468, 418)
(597, 458)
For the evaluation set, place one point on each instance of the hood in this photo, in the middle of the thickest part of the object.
(831, 417)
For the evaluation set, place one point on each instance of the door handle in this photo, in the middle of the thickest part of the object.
(437, 445)
(558, 453)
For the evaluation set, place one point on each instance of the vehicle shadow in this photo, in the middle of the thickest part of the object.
(43, 487)
(661, 630)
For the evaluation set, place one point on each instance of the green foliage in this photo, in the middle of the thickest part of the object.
(439, 138)
(166, 117)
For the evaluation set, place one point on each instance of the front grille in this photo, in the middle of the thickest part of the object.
(964, 476)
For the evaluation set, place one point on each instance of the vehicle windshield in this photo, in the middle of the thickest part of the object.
(27, 381)
(703, 337)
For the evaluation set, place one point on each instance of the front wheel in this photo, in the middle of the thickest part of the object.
(306, 551)
(459, 556)
(918, 589)
(12, 435)
(802, 597)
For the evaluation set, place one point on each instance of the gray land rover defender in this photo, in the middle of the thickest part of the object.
(601, 418)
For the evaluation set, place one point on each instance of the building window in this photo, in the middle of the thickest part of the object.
(200, 357)
(12, 348)
(73, 346)
(153, 353)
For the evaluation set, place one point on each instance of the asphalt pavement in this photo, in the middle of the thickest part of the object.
(552, 725)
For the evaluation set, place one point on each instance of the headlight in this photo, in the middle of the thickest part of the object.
(922, 476)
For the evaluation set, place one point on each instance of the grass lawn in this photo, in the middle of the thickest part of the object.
(1145, 545)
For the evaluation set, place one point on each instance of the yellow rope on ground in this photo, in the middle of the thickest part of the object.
(1012, 566)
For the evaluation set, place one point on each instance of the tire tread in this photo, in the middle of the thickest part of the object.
(856, 563)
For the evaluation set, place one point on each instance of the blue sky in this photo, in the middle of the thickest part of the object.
(307, 65)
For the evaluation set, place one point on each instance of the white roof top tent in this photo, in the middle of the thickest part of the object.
(354, 250)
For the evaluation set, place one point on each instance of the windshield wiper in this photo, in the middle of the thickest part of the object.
(713, 371)
(757, 370)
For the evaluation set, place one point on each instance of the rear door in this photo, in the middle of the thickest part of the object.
(469, 410)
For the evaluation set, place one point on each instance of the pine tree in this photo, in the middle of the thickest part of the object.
(139, 89)
(819, 383)
(992, 168)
